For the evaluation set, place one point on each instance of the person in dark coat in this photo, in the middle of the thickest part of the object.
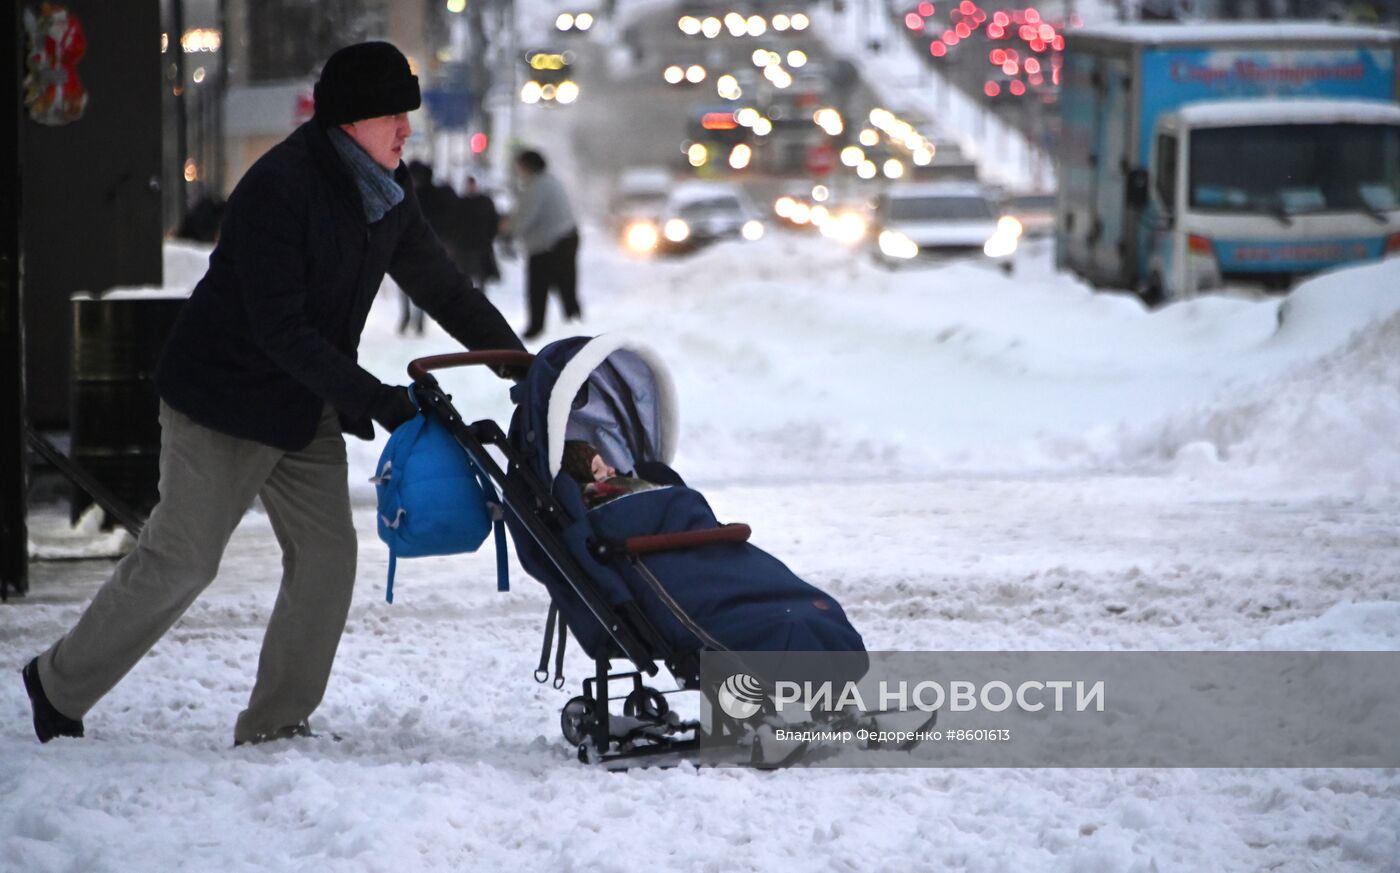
(201, 223)
(438, 204)
(258, 381)
(466, 225)
(477, 228)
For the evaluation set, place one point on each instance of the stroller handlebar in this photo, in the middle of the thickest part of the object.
(419, 367)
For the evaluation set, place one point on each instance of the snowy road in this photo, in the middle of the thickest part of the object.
(451, 758)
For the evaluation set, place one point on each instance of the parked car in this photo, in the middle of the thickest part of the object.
(1035, 212)
(939, 221)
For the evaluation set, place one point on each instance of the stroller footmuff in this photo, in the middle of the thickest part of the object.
(636, 564)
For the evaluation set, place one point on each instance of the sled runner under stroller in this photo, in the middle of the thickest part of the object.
(650, 577)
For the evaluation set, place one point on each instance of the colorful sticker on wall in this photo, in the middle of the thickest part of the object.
(53, 93)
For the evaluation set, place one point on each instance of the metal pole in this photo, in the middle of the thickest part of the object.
(217, 176)
(479, 78)
(513, 64)
(177, 47)
(14, 473)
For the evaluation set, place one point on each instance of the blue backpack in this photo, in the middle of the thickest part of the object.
(433, 499)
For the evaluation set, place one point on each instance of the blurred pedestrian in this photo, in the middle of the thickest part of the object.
(543, 224)
(257, 382)
(437, 203)
(477, 226)
(201, 222)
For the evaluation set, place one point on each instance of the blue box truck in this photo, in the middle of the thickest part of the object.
(1198, 155)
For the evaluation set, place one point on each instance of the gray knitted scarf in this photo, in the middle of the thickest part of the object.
(378, 190)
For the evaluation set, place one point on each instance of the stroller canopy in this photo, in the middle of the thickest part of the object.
(609, 391)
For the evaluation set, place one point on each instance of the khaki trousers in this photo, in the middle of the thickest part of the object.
(208, 480)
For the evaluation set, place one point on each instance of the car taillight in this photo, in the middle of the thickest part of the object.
(1392, 244)
(1199, 245)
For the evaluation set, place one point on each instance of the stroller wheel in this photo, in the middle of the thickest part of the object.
(576, 720)
(646, 703)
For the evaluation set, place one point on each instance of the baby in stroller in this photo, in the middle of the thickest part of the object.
(599, 479)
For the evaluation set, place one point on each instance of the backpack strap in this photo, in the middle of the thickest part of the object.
(411, 429)
(498, 524)
(389, 587)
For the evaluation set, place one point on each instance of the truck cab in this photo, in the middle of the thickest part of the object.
(1265, 191)
(1198, 156)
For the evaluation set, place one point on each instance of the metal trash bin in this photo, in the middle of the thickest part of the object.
(115, 432)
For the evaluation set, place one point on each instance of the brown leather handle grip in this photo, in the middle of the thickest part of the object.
(729, 533)
(419, 367)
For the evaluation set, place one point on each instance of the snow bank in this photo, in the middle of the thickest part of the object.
(792, 355)
(1331, 417)
(184, 264)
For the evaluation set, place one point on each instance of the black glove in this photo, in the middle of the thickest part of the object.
(392, 407)
(513, 372)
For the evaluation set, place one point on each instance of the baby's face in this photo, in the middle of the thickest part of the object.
(601, 470)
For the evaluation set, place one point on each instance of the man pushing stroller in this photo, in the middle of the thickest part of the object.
(257, 383)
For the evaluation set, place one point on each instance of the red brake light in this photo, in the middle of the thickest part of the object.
(1199, 245)
(1392, 244)
(718, 121)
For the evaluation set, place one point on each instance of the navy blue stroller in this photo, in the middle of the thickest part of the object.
(650, 577)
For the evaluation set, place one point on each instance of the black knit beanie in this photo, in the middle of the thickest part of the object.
(366, 80)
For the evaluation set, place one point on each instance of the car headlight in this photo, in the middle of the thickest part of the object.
(567, 91)
(848, 228)
(641, 237)
(752, 230)
(1000, 245)
(676, 230)
(531, 92)
(896, 245)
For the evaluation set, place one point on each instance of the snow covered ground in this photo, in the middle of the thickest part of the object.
(966, 461)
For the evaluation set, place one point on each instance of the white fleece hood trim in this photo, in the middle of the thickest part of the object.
(576, 373)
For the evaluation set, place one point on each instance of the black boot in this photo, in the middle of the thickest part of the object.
(48, 722)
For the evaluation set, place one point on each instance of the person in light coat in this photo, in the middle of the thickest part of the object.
(543, 225)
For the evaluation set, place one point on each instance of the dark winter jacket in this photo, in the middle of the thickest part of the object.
(271, 331)
(480, 223)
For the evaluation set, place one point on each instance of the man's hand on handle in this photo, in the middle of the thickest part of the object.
(392, 407)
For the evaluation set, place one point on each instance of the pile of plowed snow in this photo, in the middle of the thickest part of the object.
(1333, 416)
